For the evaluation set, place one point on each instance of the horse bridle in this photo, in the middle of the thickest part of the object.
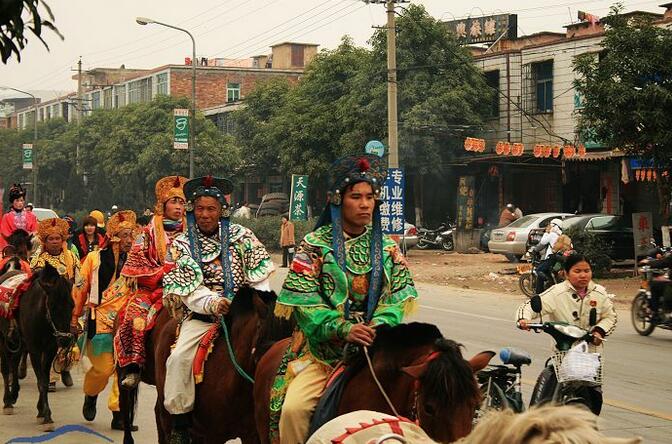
(69, 338)
(416, 385)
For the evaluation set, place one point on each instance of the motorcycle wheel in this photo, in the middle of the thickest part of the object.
(422, 245)
(638, 313)
(447, 243)
(493, 399)
(527, 282)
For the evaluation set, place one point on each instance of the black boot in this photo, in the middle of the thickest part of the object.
(66, 378)
(180, 433)
(89, 409)
(118, 422)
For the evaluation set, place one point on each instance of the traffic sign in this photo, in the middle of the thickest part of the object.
(375, 147)
(181, 139)
(27, 149)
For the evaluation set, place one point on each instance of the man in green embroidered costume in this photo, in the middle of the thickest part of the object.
(346, 279)
(213, 259)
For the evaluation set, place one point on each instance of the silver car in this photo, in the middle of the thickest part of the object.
(511, 240)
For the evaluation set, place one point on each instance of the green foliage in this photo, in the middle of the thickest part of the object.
(627, 91)
(593, 247)
(14, 27)
(267, 229)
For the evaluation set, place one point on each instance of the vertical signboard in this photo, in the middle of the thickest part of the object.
(27, 150)
(298, 208)
(392, 207)
(181, 128)
(642, 232)
(465, 203)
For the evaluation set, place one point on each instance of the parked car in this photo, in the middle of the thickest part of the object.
(409, 239)
(511, 240)
(615, 231)
(44, 213)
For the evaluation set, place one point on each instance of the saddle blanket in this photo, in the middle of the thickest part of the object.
(10, 290)
(204, 349)
(368, 427)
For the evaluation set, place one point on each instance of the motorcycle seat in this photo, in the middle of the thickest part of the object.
(514, 356)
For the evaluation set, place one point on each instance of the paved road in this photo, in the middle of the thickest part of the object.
(638, 391)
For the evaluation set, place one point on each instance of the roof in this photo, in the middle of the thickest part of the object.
(597, 155)
(294, 43)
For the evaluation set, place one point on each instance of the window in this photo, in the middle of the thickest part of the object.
(492, 80)
(523, 222)
(120, 96)
(140, 91)
(107, 98)
(233, 92)
(297, 55)
(55, 110)
(543, 81)
(225, 123)
(601, 223)
(41, 115)
(162, 83)
(95, 100)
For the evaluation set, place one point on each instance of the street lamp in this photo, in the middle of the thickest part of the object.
(192, 137)
(34, 137)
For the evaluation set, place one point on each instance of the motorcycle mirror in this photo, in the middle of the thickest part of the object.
(535, 303)
(593, 317)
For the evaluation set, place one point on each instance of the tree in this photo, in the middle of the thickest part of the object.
(627, 93)
(13, 25)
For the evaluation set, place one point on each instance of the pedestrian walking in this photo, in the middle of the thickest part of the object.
(287, 241)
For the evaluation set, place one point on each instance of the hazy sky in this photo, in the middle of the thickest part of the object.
(105, 34)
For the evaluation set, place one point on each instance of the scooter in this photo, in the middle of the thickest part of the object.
(441, 237)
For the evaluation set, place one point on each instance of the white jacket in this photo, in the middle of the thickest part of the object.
(549, 239)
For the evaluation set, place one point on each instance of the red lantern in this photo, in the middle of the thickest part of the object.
(507, 148)
(467, 144)
(569, 151)
(556, 151)
(499, 148)
(546, 150)
(481, 145)
(517, 149)
(582, 150)
(649, 175)
(638, 175)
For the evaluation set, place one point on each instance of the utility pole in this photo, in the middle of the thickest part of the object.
(392, 122)
(79, 110)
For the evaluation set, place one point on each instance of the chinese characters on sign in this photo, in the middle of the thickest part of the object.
(27, 150)
(484, 29)
(642, 230)
(298, 208)
(392, 207)
(465, 203)
(181, 139)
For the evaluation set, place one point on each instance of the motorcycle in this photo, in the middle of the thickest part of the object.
(645, 313)
(441, 237)
(528, 278)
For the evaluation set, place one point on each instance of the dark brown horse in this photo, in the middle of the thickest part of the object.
(44, 316)
(423, 373)
(224, 405)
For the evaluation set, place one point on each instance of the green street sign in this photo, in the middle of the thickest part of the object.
(298, 202)
(27, 149)
(181, 126)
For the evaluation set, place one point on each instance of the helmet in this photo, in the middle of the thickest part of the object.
(115, 208)
(510, 207)
(557, 222)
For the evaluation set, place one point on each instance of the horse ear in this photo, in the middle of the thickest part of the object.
(481, 360)
(49, 273)
(416, 371)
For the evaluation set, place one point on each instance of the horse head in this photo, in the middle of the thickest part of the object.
(57, 290)
(19, 243)
(444, 393)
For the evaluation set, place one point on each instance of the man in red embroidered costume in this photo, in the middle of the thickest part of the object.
(147, 262)
(17, 218)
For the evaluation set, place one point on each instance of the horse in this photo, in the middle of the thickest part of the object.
(422, 373)
(44, 314)
(224, 406)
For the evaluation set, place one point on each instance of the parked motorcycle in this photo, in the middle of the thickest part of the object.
(645, 313)
(528, 279)
(441, 237)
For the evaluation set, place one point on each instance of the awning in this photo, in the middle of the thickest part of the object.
(597, 155)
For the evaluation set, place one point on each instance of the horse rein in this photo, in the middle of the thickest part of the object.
(416, 386)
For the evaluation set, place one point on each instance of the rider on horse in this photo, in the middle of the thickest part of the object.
(98, 294)
(346, 279)
(53, 234)
(147, 262)
(213, 260)
(17, 218)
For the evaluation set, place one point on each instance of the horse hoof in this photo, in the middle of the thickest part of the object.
(48, 426)
(8, 411)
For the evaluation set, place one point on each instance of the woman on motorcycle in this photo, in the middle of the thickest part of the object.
(572, 301)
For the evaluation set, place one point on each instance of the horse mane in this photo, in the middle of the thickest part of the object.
(413, 334)
(449, 379)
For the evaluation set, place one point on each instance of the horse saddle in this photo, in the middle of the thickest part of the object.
(327, 407)
(10, 290)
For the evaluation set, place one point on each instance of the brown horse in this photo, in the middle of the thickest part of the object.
(424, 375)
(224, 406)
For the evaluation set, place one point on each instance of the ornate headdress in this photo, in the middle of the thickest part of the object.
(54, 225)
(119, 221)
(16, 191)
(345, 172)
(218, 188)
(166, 189)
